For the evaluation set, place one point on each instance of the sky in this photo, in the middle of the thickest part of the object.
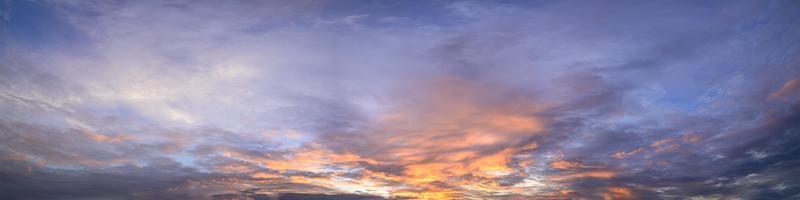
(339, 99)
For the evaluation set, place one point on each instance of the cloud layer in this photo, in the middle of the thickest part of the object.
(399, 100)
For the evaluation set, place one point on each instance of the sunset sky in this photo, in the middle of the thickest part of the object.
(363, 99)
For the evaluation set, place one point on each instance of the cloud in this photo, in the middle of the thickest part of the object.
(787, 88)
(404, 100)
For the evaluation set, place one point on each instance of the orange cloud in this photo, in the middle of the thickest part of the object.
(104, 138)
(447, 131)
(425, 195)
(691, 138)
(617, 193)
(623, 154)
(664, 145)
(658, 143)
(312, 158)
(786, 89)
(562, 164)
(597, 174)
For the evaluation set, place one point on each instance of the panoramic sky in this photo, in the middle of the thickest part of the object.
(338, 99)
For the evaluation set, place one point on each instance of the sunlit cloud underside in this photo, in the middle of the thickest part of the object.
(399, 99)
